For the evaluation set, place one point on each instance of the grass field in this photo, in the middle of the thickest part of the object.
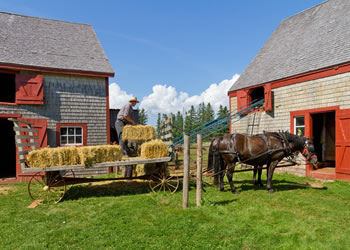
(301, 214)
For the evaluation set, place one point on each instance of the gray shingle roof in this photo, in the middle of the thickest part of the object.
(316, 38)
(39, 42)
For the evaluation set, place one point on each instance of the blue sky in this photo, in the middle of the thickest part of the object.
(172, 54)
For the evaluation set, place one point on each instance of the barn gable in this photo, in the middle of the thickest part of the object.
(314, 39)
(33, 42)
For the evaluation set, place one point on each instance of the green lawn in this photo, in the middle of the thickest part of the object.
(124, 215)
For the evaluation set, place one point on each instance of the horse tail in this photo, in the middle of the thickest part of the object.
(210, 157)
(218, 164)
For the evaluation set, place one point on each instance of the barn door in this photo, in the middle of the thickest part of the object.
(242, 100)
(29, 89)
(342, 141)
(40, 125)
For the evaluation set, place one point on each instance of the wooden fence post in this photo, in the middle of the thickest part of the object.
(199, 170)
(186, 171)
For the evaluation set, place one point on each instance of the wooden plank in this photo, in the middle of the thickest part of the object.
(23, 152)
(168, 136)
(25, 129)
(185, 185)
(24, 122)
(167, 129)
(131, 161)
(169, 143)
(23, 137)
(199, 170)
(27, 144)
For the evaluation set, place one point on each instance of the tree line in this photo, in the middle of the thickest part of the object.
(184, 122)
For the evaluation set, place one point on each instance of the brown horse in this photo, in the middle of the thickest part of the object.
(268, 148)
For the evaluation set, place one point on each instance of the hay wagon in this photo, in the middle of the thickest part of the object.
(50, 184)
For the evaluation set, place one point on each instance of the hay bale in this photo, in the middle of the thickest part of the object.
(63, 156)
(139, 133)
(39, 158)
(154, 149)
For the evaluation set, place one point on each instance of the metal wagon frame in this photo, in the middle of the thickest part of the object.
(50, 184)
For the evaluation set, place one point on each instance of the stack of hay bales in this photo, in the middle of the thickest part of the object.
(154, 149)
(65, 156)
(139, 133)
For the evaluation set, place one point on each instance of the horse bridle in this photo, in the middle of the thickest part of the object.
(306, 152)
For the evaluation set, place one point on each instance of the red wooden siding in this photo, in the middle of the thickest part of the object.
(242, 99)
(342, 142)
(268, 97)
(29, 89)
(40, 125)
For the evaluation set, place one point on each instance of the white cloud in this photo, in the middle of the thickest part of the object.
(117, 97)
(166, 99)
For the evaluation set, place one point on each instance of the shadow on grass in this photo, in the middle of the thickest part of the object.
(277, 185)
(107, 188)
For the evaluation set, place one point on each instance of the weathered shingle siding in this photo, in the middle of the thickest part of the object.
(70, 99)
(313, 39)
(324, 92)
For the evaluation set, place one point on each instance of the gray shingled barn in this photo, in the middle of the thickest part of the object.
(303, 74)
(54, 74)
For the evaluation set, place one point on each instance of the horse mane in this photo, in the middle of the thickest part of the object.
(298, 141)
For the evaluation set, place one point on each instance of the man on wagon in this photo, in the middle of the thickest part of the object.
(125, 117)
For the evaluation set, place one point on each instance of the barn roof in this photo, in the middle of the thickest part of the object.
(47, 43)
(316, 38)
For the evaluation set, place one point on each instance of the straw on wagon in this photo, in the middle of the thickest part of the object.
(63, 156)
(154, 149)
(139, 133)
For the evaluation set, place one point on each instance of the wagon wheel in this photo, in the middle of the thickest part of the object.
(69, 176)
(49, 188)
(161, 182)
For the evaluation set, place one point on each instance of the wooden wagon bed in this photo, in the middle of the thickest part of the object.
(49, 184)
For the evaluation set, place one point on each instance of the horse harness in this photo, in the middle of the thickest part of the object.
(281, 136)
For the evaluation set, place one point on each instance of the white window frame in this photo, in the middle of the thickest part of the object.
(300, 126)
(74, 135)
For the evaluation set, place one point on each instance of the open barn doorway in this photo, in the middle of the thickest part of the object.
(256, 94)
(323, 131)
(7, 149)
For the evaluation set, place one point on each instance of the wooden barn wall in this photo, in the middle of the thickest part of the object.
(320, 93)
(69, 99)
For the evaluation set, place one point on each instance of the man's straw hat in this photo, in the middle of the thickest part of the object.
(133, 99)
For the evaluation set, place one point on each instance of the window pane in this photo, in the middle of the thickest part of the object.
(63, 131)
(63, 139)
(71, 139)
(78, 139)
(70, 131)
(78, 131)
(299, 121)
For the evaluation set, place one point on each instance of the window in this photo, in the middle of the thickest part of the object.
(7, 88)
(71, 134)
(299, 125)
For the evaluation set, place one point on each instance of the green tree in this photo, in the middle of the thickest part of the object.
(190, 119)
(209, 113)
(201, 114)
(178, 124)
(143, 117)
(223, 112)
